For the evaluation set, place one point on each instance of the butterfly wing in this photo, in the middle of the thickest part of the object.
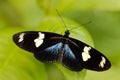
(42, 44)
(89, 57)
(70, 58)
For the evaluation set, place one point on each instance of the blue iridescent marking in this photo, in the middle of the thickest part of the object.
(55, 49)
(68, 52)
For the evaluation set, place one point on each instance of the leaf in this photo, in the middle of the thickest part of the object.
(49, 6)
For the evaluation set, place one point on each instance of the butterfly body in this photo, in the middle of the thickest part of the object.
(52, 47)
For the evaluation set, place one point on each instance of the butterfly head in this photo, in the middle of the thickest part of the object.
(67, 33)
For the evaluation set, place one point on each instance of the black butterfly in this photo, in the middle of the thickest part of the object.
(52, 47)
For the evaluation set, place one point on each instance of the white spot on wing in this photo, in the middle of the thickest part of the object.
(21, 37)
(102, 62)
(85, 53)
(39, 40)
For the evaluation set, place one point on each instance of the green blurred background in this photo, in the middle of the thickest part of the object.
(21, 15)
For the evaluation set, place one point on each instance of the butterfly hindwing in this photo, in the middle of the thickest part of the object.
(49, 54)
(69, 58)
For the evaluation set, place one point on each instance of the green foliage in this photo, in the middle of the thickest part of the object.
(41, 15)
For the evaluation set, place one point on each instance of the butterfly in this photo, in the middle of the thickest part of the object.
(52, 47)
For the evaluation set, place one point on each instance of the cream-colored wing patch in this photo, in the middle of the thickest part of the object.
(102, 62)
(21, 37)
(85, 53)
(39, 40)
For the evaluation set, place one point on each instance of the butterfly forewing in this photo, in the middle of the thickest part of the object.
(91, 58)
(33, 40)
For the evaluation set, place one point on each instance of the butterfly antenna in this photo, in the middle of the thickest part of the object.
(81, 24)
(61, 19)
